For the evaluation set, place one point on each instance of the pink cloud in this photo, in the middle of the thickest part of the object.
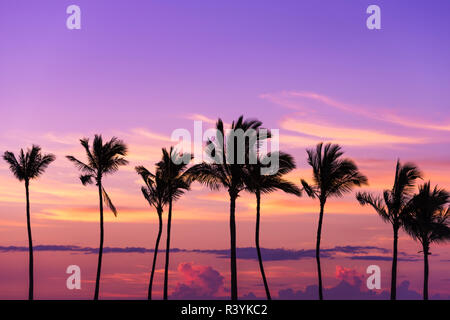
(198, 282)
(348, 275)
(285, 98)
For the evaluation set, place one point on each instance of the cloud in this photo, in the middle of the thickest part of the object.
(200, 117)
(285, 99)
(78, 249)
(347, 291)
(316, 120)
(246, 253)
(250, 296)
(152, 135)
(351, 287)
(249, 253)
(348, 275)
(346, 135)
(358, 249)
(199, 282)
(384, 258)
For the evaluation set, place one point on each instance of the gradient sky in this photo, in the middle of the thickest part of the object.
(141, 69)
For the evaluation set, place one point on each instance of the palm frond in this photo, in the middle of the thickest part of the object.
(274, 184)
(30, 165)
(80, 165)
(151, 197)
(93, 163)
(33, 156)
(15, 167)
(343, 178)
(207, 174)
(156, 190)
(406, 175)
(108, 202)
(113, 164)
(97, 150)
(332, 175)
(365, 198)
(286, 163)
(428, 218)
(42, 163)
(102, 158)
(310, 190)
(86, 179)
(145, 174)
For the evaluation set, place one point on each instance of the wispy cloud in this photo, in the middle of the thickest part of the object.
(200, 117)
(151, 135)
(244, 253)
(383, 258)
(346, 135)
(287, 99)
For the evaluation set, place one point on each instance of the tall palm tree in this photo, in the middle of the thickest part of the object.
(391, 207)
(259, 183)
(428, 221)
(333, 177)
(172, 167)
(155, 192)
(102, 159)
(224, 171)
(28, 166)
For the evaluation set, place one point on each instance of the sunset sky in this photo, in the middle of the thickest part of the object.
(140, 69)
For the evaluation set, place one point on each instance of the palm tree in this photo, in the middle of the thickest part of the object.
(155, 192)
(224, 171)
(259, 183)
(102, 159)
(391, 207)
(428, 221)
(29, 166)
(172, 167)
(332, 176)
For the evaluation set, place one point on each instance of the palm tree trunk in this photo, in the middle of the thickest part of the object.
(234, 289)
(158, 238)
(258, 249)
(425, 272)
(166, 269)
(100, 252)
(319, 235)
(394, 266)
(30, 245)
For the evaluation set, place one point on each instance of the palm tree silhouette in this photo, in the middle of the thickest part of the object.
(155, 192)
(259, 183)
(172, 167)
(332, 176)
(102, 159)
(391, 207)
(225, 171)
(428, 221)
(29, 165)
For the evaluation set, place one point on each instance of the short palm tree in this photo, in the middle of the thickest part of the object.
(172, 167)
(155, 192)
(102, 159)
(224, 171)
(391, 207)
(428, 221)
(333, 177)
(29, 166)
(259, 183)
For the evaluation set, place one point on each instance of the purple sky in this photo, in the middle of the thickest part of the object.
(133, 59)
(141, 69)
